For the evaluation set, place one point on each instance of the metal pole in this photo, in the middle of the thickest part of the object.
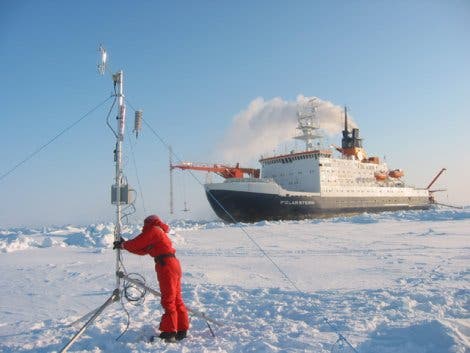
(157, 293)
(121, 121)
(118, 183)
(171, 179)
(111, 299)
(84, 317)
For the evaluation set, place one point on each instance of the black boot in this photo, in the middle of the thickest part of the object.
(168, 336)
(181, 335)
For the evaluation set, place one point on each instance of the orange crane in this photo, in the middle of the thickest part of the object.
(435, 178)
(224, 171)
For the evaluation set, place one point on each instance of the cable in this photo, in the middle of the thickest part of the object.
(128, 211)
(128, 320)
(284, 274)
(133, 293)
(109, 113)
(450, 206)
(132, 298)
(31, 155)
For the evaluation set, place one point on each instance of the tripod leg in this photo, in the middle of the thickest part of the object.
(157, 294)
(97, 312)
(84, 317)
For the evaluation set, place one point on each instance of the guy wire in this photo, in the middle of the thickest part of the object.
(39, 149)
(284, 274)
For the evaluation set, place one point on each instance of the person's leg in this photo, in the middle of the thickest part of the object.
(182, 312)
(168, 286)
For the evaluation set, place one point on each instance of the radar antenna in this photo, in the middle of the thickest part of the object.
(309, 122)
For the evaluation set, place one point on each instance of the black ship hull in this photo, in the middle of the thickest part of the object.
(248, 207)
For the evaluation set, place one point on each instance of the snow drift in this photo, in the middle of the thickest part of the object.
(390, 282)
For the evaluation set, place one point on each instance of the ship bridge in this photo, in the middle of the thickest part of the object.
(295, 171)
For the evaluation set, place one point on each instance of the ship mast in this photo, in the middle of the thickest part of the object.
(309, 123)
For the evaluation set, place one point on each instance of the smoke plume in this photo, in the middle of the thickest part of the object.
(264, 125)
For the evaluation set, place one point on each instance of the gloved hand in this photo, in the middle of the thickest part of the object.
(118, 244)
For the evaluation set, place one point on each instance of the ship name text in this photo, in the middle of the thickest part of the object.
(297, 202)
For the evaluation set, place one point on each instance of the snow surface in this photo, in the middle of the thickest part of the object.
(390, 282)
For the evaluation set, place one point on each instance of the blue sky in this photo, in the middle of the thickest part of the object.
(402, 67)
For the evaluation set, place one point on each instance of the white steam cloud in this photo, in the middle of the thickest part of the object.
(264, 125)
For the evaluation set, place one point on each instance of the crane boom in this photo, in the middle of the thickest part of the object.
(435, 178)
(224, 171)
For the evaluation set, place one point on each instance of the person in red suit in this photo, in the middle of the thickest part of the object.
(154, 241)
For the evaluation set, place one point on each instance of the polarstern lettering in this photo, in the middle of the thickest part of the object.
(297, 202)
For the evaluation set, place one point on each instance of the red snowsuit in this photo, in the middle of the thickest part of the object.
(155, 242)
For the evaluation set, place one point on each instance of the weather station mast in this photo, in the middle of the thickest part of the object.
(129, 286)
(120, 191)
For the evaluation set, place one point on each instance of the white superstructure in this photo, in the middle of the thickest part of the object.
(320, 172)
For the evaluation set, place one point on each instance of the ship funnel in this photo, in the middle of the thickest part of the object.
(350, 139)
